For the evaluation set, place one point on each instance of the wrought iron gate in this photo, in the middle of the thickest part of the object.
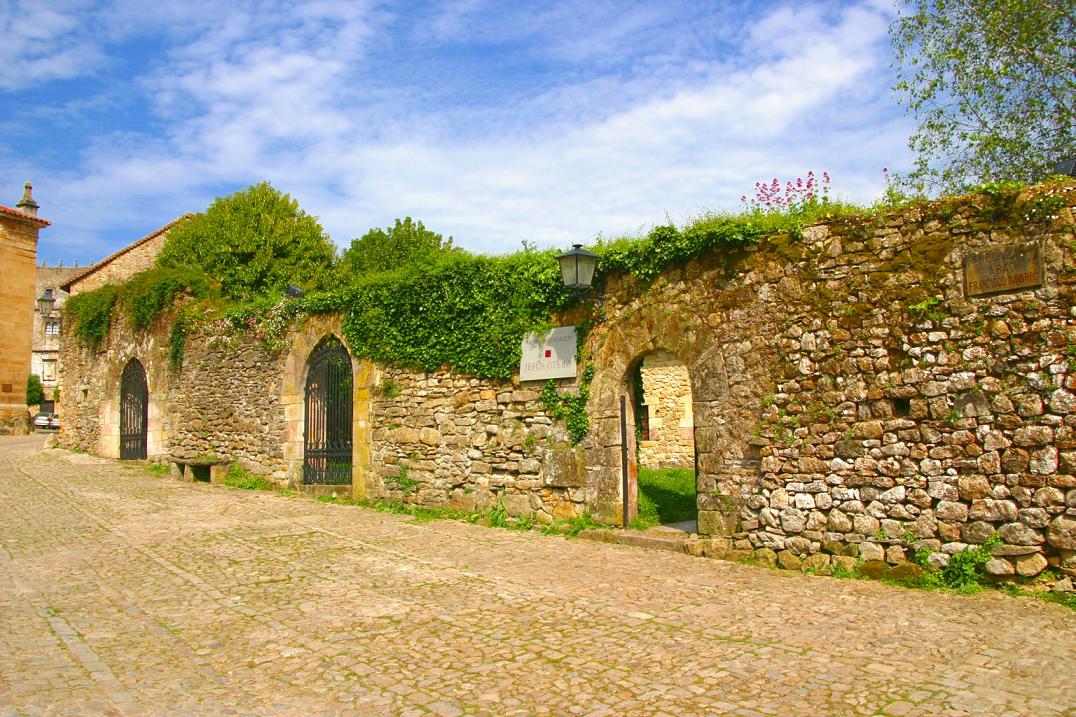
(134, 411)
(327, 436)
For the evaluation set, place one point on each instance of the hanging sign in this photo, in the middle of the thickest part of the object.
(549, 356)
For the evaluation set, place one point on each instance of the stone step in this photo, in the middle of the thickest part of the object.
(673, 541)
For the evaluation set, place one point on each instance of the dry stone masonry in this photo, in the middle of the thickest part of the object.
(850, 397)
(666, 385)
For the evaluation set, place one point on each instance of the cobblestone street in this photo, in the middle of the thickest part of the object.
(126, 593)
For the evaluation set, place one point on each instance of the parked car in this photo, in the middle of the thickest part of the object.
(46, 420)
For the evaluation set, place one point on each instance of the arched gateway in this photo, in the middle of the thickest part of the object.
(134, 411)
(327, 434)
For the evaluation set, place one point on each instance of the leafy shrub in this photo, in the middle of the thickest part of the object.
(402, 481)
(469, 312)
(966, 569)
(239, 477)
(148, 293)
(726, 234)
(35, 392)
(143, 297)
(90, 313)
(254, 242)
(570, 407)
(407, 243)
(498, 516)
(579, 523)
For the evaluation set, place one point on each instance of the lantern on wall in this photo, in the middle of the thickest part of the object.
(45, 302)
(577, 269)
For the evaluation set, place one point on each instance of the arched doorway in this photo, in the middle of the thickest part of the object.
(327, 435)
(661, 408)
(134, 411)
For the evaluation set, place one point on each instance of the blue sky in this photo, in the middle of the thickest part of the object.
(493, 122)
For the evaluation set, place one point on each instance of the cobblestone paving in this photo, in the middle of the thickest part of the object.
(125, 593)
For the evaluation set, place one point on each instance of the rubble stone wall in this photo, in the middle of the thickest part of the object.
(852, 401)
(468, 443)
(667, 396)
(433, 439)
(849, 398)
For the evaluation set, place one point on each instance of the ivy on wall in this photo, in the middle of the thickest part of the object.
(570, 407)
(143, 297)
(90, 314)
(468, 312)
(456, 309)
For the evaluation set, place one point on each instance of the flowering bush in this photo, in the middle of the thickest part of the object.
(797, 195)
(267, 320)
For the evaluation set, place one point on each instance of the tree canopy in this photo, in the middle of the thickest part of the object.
(405, 244)
(254, 242)
(991, 84)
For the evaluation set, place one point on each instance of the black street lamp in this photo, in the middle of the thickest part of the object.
(45, 303)
(577, 269)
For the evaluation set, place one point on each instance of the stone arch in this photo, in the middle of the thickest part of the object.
(134, 411)
(663, 407)
(109, 411)
(718, 431)
(307, 340)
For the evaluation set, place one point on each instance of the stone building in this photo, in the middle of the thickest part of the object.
(19, 229)
(667, 429)
(872, 387)
(44, 362)
(123, 264)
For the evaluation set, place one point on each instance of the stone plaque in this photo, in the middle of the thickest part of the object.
(1002, 268)
(549, 356)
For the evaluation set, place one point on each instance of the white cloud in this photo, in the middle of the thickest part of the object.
(43, 43)
(637, 118)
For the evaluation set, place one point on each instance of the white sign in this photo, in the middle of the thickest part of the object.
(549, 356)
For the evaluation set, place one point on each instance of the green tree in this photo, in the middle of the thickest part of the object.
(254, 242)
(35, 392)
(991, 84)
(405, 244)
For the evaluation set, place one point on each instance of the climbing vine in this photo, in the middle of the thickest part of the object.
(570, 407)
(90, 314)
(457, 309)
(143, 297)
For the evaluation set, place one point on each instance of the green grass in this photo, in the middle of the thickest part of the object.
(666, 495)
(239, 477)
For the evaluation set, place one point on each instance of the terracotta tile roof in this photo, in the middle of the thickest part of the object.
(16, 213)
(66, 286)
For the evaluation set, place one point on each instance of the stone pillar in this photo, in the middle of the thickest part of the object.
(18, 275)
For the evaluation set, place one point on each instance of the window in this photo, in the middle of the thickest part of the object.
(52, 327)
(48, 370)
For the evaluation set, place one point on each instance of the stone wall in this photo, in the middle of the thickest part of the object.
(849, 399)
(470, 444)
(670, 441)
(89, 405)
(431, 439)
